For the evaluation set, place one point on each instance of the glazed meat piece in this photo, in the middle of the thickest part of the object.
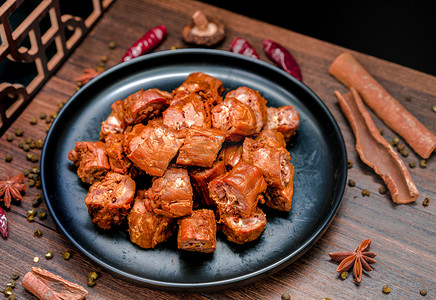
(272, 137)
(91, 161)
(274, 162)
(115, 122)
(253, 99)
(234, 117)
(285, 119)
(147, 229)
(109, 200)
(242, 230)
(281, 198)
(198, 232)
(202, 177)
(232, 154)
(202, 79)
(171, 194)
(152, 147)
(187, 111)
(113, 147)
(239, 191)
(144, 105)
(201, 147)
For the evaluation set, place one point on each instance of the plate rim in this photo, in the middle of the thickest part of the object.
(215, 285)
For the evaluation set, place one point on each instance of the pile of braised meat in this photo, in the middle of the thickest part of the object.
(213, 159)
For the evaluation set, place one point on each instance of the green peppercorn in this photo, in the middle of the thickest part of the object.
(34, 170)
(91, 282)
(9, 138)
(395, 141)
(53, 115)
(426, 202)
(351, 183)
(8, 291)
(93, 275)
(423, 292)
(37, 233)
(412, 164)
(434, 108)
(286, 296)
(15, 276)
(33, 121)
(344, 275)
(382, 190)
(386, 289)
(349, 164)
(12, 297)
(39, 143)
(423, 163)
(42, 116)
(42, 215)
(49, 255)
(36, 200)
(404, 152)
(400, 146)
(30, 218)
(8, 158)
(31, 212)
(112, 45)
(31, 182)
(66, 255)
(19, 132)
(365, 192)
(11, 284)
(26, 147)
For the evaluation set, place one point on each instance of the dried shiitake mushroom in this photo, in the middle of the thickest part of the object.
(203, 31)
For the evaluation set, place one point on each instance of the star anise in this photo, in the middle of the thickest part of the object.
(358, 260)
(11, 188)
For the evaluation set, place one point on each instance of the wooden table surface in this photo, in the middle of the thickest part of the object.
(403, 236)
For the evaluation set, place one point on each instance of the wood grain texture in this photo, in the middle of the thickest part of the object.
(402, 235)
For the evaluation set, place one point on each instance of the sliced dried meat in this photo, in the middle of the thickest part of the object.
(171, 194)
(145, 105)
(198, 232)
(234, 117)
(91, 161)
(239, 191)
(200, 147)
(253, 99)
(115, 122)
(284, 119)
(242, 230)
(152, 147)
(202, 177)
(375, 151)
(109, 200)
(146, 228)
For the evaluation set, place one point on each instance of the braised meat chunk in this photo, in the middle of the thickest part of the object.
(202, 177)
(147, 229)
(232, 154)
(91, 161)
(113, 147)
(205, 81)
(242, 230)
(201, 147)
(115, 122)
(145, 105)
(272, 137)
(187, 111)
(281, 198)
(285, 119)
(234, 117)
(171, 194)
(253, 99)
(198, 232)
(239, 191)
(109, 200)
(152, 147)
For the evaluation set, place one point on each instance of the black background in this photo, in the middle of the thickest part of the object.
(403, 32)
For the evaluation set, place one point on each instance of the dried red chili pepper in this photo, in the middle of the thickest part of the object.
(242, 46)
(150, 40)
(3, 223)
(282, 57)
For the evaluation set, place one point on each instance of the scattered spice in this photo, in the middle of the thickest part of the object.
(66, 255)
(382, 190)
(15, 276)
(242, 46)
(42, 116)
(426, 202)
(4, 229)
(344, 275)
(366, 192)
(423, 292)
(349, 164)
(400, 147)
(358, 260)
(37, 233)
(408, 98)
(46, 285)
(8, 158)
(42, 215)
(395, 141)
(386, 289)
(351, 183)
(112, 45)
(19, 132)
(104, 58)
(150, 40)
(8, 291)
(33, 121)
(282, 57)
(434, 108)
(11, 188)
(423, 163)
(36, 200)
(9, 137)
(412, 164)
(49, 255)
(35, 259)
(206, 31)
(92, 277)
(404, 152)
(286, 296)
(88, 74)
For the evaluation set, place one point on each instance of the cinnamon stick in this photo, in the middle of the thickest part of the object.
(348, 71)
(375, 151)
(48, 286)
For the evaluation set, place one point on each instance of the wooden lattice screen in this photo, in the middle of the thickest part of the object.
(41, 39)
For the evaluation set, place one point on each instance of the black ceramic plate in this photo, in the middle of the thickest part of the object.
(318, 155)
